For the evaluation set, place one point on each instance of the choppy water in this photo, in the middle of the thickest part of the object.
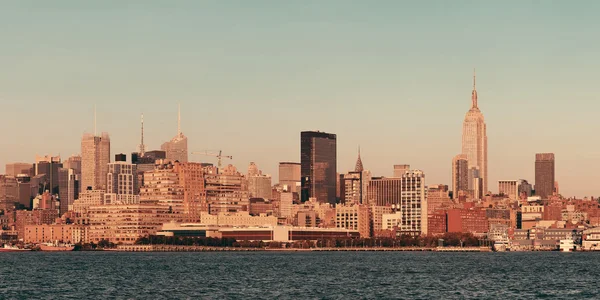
(333, 275)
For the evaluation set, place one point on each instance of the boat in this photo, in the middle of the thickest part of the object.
(566, 245)
(54, 247)
(9, 248)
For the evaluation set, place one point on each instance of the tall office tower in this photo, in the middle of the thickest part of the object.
(318, 156)
(68, 181)
(289, 176)
(73, 162)
(24, 190)
(475, 184)
(399, 170)
(121, 178)
(15, 169)
(177, 147)
(354, 185)
(460, 175)
(474, 139)
(8, 192)
(49, 165)
(95, 157)
(413, 203)
(544, 174)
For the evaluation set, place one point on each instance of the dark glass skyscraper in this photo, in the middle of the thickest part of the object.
(544, 174)
(318, 159)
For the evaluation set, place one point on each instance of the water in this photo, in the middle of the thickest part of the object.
(329, 275)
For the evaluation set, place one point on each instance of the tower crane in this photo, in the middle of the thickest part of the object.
(214, 154)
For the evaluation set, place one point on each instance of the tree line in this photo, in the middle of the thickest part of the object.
(448, 239)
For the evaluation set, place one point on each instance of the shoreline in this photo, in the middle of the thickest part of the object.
(169, 248)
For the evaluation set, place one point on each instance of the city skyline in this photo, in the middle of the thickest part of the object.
(548, 105)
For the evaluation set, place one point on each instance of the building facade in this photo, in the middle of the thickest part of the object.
(544, 175)
(95, 157)
(460, 175)
(289, 176)
(318, 155)
(474, 139)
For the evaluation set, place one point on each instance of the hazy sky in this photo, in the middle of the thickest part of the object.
(394, 77)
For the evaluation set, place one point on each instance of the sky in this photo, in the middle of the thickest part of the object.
(393, 77)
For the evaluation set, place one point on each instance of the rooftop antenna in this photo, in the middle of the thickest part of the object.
(178, 118)
(95, 133)
(142, 147)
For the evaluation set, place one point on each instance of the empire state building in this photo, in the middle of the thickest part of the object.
(474, 140)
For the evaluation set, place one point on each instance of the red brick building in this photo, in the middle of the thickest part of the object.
(467, 220)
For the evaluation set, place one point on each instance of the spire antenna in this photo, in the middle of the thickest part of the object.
(142, 147)
(474, 93)
(178, 118)
(473, 78)
(95, 132)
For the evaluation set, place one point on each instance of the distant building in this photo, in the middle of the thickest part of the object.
(177, 148)
(289, 176)
(460, 175)
(474, 140)
(15, 169)
(122, 178)
(318, 155)
(120, 157)
(95, 156)
(438, 197)
(407, 195)
(259, 185)
(73, 162)
(68, 181)
(226, 190)
(354, 185)
(385, 191)
(8, 192)
(49, 165)
(544, 175)
(467, 220)
(354, 217)
(399, 170)
(162, 187)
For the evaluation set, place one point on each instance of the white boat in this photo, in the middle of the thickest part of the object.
(566, 245)
(9, 248)
(56, 247)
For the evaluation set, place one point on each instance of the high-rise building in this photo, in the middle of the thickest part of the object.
(354, 185)
(259, 185)
(162, 187)
(95, 157)
(544, 174)
(122, 179)
(460, 175)
(474, 140)
(413, 203)
(15, 169)
(49, 165)
(399, 170)
(385, 191)
(318, 156)
(8, 192)
(177, 148)
(68, 181)
(355, 217)
(289, 176)
(73, 162)
(226, 190)
(509, 188)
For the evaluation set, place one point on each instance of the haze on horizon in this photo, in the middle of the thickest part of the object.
(394, 78)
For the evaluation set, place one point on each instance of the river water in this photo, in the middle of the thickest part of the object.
(295, 275)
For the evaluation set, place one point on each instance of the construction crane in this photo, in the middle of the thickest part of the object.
(217, 155)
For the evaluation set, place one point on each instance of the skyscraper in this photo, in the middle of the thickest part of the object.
(460, 175)
(318, 158)
(289, 176)
(68, 181)
(354, 185)
(544, 174)
(122, 179)
(95, 157)
(474, 139)
(177, 147)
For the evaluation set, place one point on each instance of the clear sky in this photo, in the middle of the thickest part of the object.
(391, 76)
